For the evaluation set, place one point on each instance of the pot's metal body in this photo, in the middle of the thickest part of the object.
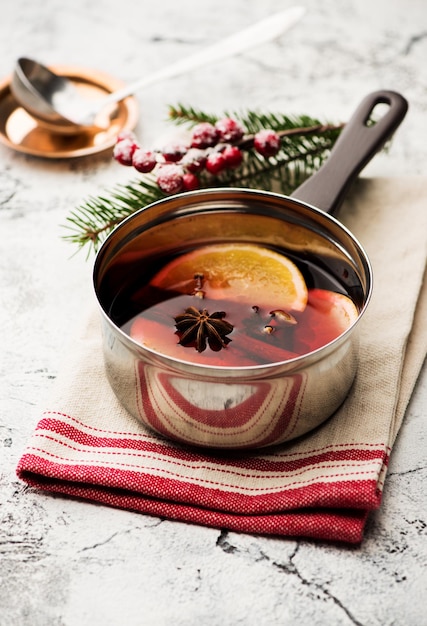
(247, 407)
(244, 407)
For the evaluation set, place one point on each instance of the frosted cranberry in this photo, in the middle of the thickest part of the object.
(190, 182)
(230, 130)
(144, 160)
(215, 163)
(233, 156)
(173, 153)
(170, 178)
(204, 135)
(267, 142)
(126, 134)
(194, 160)
(123, 151)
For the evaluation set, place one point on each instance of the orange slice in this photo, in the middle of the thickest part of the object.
(341, 310)
(327, 316)
(247, 273)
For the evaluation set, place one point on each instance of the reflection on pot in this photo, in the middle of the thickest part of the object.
(245, 413)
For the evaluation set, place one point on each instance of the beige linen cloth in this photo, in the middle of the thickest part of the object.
(320, 486)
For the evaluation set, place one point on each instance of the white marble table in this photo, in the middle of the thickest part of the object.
(67, 563)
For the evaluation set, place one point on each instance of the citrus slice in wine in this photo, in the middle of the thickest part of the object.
(327, 316)
(340, 308)
(246, 273)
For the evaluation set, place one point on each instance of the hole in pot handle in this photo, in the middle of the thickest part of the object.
(360, 140)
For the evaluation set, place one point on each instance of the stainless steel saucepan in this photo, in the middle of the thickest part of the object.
(261, 405)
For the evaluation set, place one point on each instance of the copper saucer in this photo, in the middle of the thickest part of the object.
(21, 132)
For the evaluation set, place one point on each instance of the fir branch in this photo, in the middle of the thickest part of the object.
(305, 144)
(189, 116)
(95, 219)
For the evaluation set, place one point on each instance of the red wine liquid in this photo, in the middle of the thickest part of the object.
(147, 314)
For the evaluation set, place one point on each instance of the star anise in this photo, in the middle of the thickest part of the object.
(199, 328)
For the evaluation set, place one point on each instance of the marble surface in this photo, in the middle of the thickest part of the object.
(67, 563)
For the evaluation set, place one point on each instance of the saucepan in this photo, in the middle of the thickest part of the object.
(251, 406)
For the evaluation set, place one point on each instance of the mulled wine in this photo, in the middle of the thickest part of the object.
(234, 305)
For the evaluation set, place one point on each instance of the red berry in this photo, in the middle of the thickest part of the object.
(204, 135)
(126, 134)
(233, 156)
(170, 178)
(123, 151)
(190, 182)
(144, 160)
(267, 143)
(173, 153)
(230, 130)
(215, 163)
(194, 160)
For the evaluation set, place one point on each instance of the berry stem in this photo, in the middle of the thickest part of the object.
(247, 142)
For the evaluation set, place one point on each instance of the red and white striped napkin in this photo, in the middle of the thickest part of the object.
(320, 486)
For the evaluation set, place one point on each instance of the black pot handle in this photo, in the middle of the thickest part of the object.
(355, 147)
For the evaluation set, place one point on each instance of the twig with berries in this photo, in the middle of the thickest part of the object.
(250, 150)
(212, 149)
